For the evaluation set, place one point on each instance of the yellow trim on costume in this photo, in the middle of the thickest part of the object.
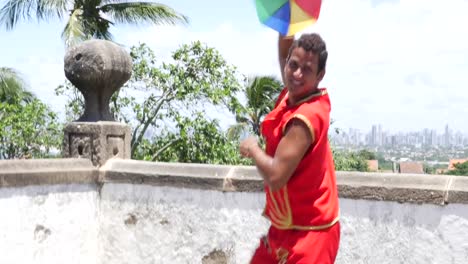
(320, 227)
(319, 93)
(288, 206)
(304, 119)
(283, 220)
(282, 255)
(278, 211)
(285, 205)
(304, 228)
(274, 218)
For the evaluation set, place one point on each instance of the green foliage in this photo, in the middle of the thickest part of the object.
(13, 86)
(196, 140)
(349, 161)
(164, 102)
(198, 77)
(384, 164)
(366, 154)
(261, 93)
(75, 102)
(461, 169)
(28, 130)
(89, 18)
(352, 161)
(429, 169)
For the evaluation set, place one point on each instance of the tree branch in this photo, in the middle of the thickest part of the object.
(155, 156)
(147, 124)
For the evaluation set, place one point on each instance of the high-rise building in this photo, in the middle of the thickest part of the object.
(426, 138)
(374, 135)
(379, 135)
(447, 142)
(433, 139)
(459, 139)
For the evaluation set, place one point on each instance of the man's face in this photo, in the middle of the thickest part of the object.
(301, 73)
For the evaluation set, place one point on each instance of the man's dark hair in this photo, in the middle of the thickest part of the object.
(312, 43)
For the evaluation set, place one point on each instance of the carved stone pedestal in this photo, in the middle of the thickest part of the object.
(97, 141)
(97, 68)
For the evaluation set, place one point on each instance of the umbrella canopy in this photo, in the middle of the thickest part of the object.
(288, 16)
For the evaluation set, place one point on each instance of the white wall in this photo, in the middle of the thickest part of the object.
(175, 225)
(181, 226)
(48, 224)
(150, 224)
(389, 232)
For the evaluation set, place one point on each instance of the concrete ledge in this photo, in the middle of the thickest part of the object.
(457, 190)
(403, 188)
(16, 173)
(412, 188)
(184, 175)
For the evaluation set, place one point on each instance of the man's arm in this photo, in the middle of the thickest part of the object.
(284, 43)
(277, 170)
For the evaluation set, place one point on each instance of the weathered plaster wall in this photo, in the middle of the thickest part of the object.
(68, 211)
(390, 232)
(49, 224)
(145, 224)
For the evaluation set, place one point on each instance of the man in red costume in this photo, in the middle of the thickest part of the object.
(297, 164)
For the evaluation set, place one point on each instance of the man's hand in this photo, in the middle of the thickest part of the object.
(246, 146)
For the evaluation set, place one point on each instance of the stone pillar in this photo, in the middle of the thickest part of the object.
(98, 68)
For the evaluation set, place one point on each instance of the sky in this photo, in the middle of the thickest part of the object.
(399, 63)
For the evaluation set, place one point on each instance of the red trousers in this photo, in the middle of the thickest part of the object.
(297, 246)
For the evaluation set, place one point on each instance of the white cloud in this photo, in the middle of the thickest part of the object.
(43, 75)
(399, 63)
(395, 53)
(251, 52)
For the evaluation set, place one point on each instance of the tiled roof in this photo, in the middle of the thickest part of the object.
(411, 167)
(455, 161)
(373, 165)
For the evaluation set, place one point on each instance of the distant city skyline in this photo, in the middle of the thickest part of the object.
(378, 136)
(439, 128)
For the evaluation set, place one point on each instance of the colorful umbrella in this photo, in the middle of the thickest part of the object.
(288, 16)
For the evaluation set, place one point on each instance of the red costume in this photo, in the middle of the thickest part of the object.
(304, 213)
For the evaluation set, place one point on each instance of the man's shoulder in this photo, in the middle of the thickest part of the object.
(315, 109)
(317, 102)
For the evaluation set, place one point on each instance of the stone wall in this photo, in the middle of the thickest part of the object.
(127, 211)
(49, 212)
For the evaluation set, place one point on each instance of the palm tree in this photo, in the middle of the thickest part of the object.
(89, 18)
(12, 86)
(261, 93)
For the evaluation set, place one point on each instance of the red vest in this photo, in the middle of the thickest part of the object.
(309, 201)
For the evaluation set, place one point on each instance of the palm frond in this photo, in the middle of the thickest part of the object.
(236, 131)
(137, 12)
(12, 85)
(49, 8)
(15, 10)
(101, 29)
(242, 119)
(73, 32)
(261, 91)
